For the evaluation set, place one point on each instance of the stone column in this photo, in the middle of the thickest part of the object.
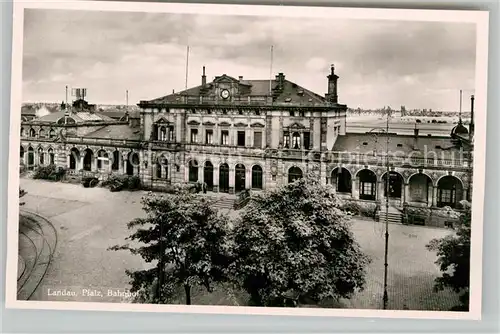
(406, 193)
(231, 179)
(434, 195)
(201, 176)
(248, 178)
(216, 178)
(124, 164)
(379, 195)
(322, 171)
(81, 162)
(354, 189)
(68, 159)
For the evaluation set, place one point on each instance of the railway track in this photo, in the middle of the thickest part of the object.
(39, 238)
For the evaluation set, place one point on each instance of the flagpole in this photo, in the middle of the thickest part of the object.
(386, 250)
(271, 73)
(187, 68)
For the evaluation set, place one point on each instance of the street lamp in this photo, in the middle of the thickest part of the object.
(386, 249)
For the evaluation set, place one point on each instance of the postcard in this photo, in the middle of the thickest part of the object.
(241, 159)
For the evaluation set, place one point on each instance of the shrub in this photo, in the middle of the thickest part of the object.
(125, 181)
(358, 208)
(44, 172)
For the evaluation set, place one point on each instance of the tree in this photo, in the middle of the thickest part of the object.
(453, 254)
(295, 242)
(187, 238)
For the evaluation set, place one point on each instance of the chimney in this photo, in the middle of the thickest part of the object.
(280, 78)
(331, 96)
(240, 78)
(471, 124)
(203, 78)
(415, 137)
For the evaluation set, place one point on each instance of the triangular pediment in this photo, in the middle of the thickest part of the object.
(257, 125)
(225, 79)
(162, 121)
(240, 125)
(297, 126)
(193, 122)
(224, 124)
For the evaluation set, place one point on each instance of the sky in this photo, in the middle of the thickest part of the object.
(380, 63)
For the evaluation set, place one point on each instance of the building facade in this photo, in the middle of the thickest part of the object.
(236, 134)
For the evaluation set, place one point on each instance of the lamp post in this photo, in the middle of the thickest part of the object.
(386, 246)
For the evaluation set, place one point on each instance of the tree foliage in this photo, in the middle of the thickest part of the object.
(453, 259)
(296, 242)
(186, 237)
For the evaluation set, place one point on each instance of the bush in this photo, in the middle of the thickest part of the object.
(50, 172)
(358, 208)
(123, 182)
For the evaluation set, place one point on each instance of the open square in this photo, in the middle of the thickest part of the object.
(88, 223)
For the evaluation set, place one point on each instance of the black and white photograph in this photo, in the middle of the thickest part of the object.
(247, 159)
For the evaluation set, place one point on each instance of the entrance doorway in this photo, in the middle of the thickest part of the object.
(239, 177)
(208, 175)
(224, 178)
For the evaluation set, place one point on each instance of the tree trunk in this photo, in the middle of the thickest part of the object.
(187, 289)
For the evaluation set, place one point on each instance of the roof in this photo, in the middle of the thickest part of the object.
(82, 116)
(289, 93)
(418, 146)
(28, 110)
(117, 131)
(459, 129)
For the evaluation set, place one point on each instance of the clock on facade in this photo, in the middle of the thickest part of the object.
(224, 93)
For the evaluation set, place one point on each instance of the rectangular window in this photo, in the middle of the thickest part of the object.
(241, 138)
(209, 136)
(292, 113)
(257, 139)
(307, 140)
(367, 188)
(446, 196)
(171, 133)
(286, 139)
(194, 135)
(224, 137)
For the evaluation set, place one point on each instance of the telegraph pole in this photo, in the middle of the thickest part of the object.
(386, 251)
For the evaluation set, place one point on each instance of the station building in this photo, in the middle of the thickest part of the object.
(236, 134)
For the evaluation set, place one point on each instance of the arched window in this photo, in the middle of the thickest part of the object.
(296, 140)
(193, 171)
(52, 157)
(87, 159)
(367, 184)
(159, 168)
(294, 173)
(74, 158)
(163, 133)
(449, 191)
(52, 133)
(102, 159)
(32, 132)
(208, 175)
(257, 177)
(116, 160)
(395, 185)
(239, 177)
(22, 132)
(21, 155)
(41, 156)
(341, 179)
(41, 133)
(31, 158)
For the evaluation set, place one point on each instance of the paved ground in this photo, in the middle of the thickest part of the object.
(91, 220)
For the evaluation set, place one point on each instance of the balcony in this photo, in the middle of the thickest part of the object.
(409, 162)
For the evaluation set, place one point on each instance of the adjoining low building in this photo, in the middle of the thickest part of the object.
(235, 134)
